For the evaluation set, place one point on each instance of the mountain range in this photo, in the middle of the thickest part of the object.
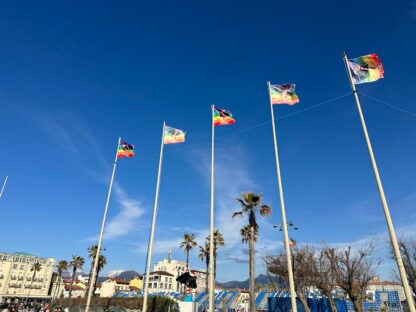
(261, 279)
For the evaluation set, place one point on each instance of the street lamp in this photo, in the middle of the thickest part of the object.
(289, 224)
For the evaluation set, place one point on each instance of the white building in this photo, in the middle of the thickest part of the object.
(161, 281)
(385, 286)
(173, 267)
(18, 280)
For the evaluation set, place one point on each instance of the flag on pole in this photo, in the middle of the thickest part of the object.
(283, 94)
(292, 242)
(172, 136)
(367, 68)
(222, 117)
(125, 150)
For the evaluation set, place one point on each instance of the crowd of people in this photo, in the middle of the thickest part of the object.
(26, 307)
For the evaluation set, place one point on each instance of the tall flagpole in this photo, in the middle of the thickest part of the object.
(4, 185)
(211, 234)
(97, 256)
(152, 230)
(389, 222)
(282, 207)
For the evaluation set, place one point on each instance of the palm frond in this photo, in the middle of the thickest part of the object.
(237, 214)
(265, 210)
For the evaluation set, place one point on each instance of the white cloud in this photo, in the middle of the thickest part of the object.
(231, 179)
(127, 218)
(73, 134)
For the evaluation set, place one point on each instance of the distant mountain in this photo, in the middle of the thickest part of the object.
(261, 279)
(114, 273)
(128, 275)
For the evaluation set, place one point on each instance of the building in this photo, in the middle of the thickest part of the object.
(175, 268)
(19, 280)
(112, 286)
(161, 281)
(77, 291)
(136, 284)
(201, 278)
(377, 285)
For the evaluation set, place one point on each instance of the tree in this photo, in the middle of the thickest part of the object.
(408, 252)
(218, 242)
(301, 275)
(102, 261)
(354, 270)
(245, 234)
(76, 263)
(36, 267)
(61, 267)
(324, 273)
(187, 245)
(204, 255)
(250, 203)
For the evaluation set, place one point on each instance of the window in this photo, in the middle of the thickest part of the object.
(170, 279)
(155, 285)
(170, 286)
(15, 266)
(22, 267)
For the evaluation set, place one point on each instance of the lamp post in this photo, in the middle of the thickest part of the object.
(292, 244)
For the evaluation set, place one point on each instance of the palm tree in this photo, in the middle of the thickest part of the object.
(245, 234)
(61, 267)
(204, 255)
(187, 245)
(76, 263)
(250, 203)
(102, 261)
(92, 253)
(36, 267)
(218, 242)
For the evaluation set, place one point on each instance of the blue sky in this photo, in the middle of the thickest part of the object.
(74, 76)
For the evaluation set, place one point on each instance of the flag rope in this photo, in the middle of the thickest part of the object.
(255, 126)
(389, 105)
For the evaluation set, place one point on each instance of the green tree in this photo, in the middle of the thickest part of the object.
(204, 255)
(250, 203)
(61, 267)
(76, 263)
(36, 267)
(102, 261)
(92, 253)
(218, 242)
(187, 245)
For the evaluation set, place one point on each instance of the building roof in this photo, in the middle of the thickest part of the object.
(384, 283)
(161, 273)
(118, 281)
(75, 287)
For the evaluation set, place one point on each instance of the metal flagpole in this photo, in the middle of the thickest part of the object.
(389, 222)
(97, 256)
(211, 235)
(152, 230)
(4, 185)
(282, 207)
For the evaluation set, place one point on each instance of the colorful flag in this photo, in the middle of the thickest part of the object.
(222, 117)
(366, 68)
(283, 94)
(172, 135)
(125, 150)
(292, 242)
